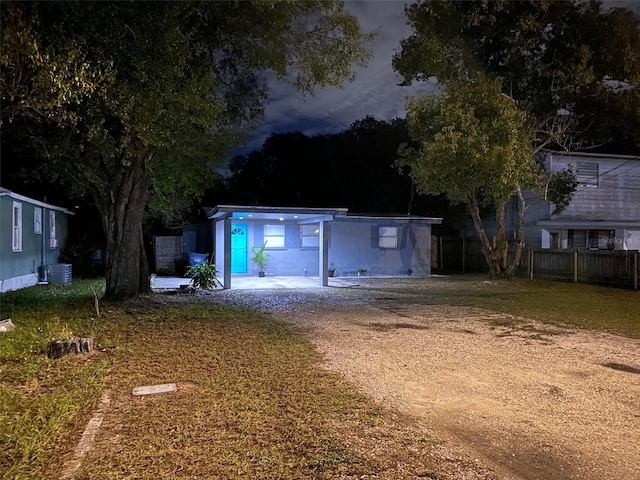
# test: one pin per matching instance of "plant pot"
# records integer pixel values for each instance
(331, 273)
(261, 274)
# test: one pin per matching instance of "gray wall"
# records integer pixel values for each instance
(353, 244)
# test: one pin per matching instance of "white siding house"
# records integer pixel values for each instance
(604, 213)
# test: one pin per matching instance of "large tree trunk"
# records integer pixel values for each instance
(520, 241)
(122, 209)
(497, 256)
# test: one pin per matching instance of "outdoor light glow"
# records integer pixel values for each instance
(281, 219)
(241, 218)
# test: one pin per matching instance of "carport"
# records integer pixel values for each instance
(232, 223)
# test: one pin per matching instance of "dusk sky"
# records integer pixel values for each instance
(374, 91)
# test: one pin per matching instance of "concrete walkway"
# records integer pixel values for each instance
(252, 283)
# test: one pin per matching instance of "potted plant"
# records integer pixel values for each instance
(332, 270)
(362, 272)
(260, 258)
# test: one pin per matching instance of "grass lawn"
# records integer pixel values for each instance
(253, 400)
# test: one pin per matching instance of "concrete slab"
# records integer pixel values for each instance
(155, 389)
(253, 282)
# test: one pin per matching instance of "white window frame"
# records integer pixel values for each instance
(587, 174)
(309, 235)
(37, 220)
(53, 241)
(274, 236)
(388, 237)
(16, 224)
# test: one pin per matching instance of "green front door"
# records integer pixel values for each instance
(239, 248)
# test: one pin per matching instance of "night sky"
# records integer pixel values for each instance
(374, 91)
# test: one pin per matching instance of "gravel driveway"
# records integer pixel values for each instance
(514, 398)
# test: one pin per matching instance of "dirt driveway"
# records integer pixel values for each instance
(516, 398)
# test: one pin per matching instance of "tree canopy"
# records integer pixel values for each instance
(474, 145)
(574, 57)
(144, 96)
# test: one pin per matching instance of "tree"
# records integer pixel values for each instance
(166, 89)
(474, 145)
(572, 57)
(353, 169)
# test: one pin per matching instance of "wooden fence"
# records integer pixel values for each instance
(615, 268)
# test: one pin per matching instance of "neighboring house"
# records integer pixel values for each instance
(32, 234)
(307, 241)
(604, 213)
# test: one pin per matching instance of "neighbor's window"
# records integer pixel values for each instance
(388, 237)
(17, 227)
(274, 236)
(602, 239)
(587, 174)
(37, 221)
(309, 235)
(53, 241)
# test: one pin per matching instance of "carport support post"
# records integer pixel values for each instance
(323, 261)
(227, 253)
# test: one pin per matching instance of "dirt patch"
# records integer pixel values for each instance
(521, 399)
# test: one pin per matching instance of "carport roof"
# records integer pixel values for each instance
(271, 213)
(253, 212)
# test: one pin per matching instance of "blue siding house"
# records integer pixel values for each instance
(32, 234)
(313, 241)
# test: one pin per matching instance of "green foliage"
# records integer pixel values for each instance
(204, 275)
(569, 55)
(260, 257)
(474, 144)
(42, 399)
(174, 86)
(560, 188)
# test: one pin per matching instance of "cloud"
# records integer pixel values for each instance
(374, 91)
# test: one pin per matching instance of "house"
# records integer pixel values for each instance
(308, 241)
(604, 213)
(32, 234)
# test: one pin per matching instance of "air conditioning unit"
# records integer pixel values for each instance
(60, 273)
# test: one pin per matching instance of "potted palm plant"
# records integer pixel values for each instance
(260, 258)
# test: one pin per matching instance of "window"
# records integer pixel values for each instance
(37, 221)
(388, 237)
(17, 227)
(274, 236)
(309, 236)
(602, 239)
(587, 174)
(53, 242)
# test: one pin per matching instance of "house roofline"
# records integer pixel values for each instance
(224, 211)
(394, 218)
(588, 225)
(4, 192)
(592, 155)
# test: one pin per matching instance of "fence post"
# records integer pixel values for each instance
(531, 264)
(441, 253)
(575, 267)
(464, 253)
(635, 270)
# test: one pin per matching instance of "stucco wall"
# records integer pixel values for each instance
(354, 245)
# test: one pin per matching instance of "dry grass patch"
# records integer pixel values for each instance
(252, 402)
